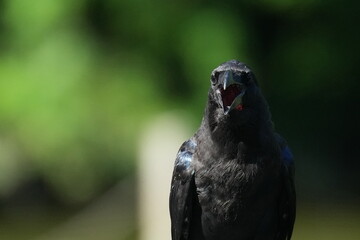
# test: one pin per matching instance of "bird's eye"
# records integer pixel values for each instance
(215, 78)
(243, 78)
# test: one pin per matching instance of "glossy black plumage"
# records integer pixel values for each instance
(233, 179)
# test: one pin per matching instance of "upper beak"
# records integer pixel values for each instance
(228, 79)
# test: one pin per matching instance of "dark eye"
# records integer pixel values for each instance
(215, 78)
(243, 78)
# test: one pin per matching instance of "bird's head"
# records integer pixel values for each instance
(229, 83)
(234, 96)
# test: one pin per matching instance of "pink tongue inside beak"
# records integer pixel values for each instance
(230, 94)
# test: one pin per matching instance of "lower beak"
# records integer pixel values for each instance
(238, 101)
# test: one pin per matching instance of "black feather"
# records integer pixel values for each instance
(233, 179)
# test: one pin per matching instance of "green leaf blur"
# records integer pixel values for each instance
(79, 81)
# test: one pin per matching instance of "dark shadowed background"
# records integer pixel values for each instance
(82, 81)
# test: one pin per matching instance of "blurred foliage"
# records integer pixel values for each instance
(78, 81)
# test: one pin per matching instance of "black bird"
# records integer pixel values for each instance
(233, 179)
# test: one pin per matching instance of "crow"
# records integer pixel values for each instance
(234, 179)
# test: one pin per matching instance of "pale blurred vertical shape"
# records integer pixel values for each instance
(158, 147)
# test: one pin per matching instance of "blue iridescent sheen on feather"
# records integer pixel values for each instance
(287, 156)
(184, 159)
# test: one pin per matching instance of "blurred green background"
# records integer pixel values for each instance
(80, 80)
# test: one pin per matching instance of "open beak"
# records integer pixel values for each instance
(231, 93)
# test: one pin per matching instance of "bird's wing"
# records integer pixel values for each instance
(182, 189)
(287, 203)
